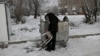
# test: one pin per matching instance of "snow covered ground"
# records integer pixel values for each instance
(88, 46)
(30, 29)
(81, 28)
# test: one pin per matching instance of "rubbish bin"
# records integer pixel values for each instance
(63, 32)
(43, 28)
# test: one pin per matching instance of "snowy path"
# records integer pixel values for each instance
(89, 46)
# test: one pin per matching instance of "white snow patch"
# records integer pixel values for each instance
(88, 46)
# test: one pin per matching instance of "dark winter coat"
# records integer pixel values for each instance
(53, 26)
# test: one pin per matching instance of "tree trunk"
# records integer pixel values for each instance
(87, 16)
(36, 12)
(95, 9)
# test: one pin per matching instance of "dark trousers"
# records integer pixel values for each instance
(51, 44)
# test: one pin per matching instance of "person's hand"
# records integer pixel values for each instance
(49, 34)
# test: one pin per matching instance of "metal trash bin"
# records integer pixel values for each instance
(63, 32)
(43, 28)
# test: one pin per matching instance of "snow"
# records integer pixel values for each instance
(77, 27)
(26, 31)
(30, 29)
(81, 28)
(49, 4)
(88, 46)
(86, 29)
(52, 3)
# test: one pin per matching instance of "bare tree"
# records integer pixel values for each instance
(34, 5)
(18, 10)
(16, 7)
(90, 11)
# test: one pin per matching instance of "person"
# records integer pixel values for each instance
(52, 28)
